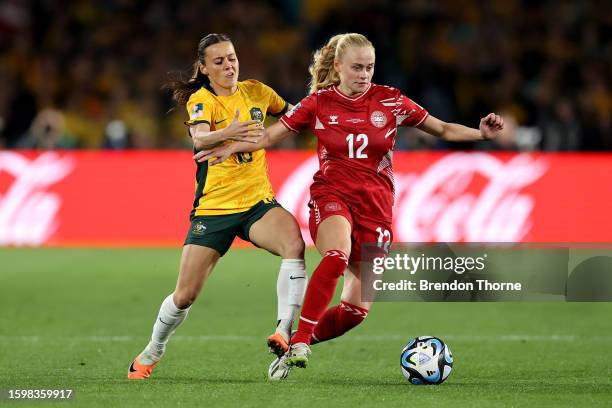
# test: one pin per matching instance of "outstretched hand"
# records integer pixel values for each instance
(491, 126)
(249, 131)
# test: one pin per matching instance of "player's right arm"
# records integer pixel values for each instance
(272, 135)
(248, 131)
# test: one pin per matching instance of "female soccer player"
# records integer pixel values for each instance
(352, 195)
(232, 199)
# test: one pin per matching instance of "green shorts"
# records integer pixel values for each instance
(218, 231)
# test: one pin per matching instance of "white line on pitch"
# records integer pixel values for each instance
(356, 338)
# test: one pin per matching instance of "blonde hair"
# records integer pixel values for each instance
(322, 70)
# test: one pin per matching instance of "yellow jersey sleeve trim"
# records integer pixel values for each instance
(195, 122)
(282, 111)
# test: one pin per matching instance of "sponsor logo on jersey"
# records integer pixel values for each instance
(256, 114)
(378, 119)
(355, 120)
(333, 120)
(197, 111)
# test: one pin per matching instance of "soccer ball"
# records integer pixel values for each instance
(426, 360)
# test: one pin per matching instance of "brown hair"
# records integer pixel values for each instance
(181, 88)
(322, 69)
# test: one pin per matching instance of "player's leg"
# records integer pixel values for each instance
(197, 262)
(333, 240)
(278, 232)
(351, 311)
(208, 239)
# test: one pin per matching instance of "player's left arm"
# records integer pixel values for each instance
(293, 121)
(490, 127)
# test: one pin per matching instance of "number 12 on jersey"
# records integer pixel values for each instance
(353, 141)
(384, 238)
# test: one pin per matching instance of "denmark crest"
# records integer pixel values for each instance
(378, 119)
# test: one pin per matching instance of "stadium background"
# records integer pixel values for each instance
(96, 177)
(79, 66)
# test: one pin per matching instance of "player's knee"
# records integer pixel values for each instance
(184, 298)
(293, 249)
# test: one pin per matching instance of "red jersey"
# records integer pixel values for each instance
(355, 144)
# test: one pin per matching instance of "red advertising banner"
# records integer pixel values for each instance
(143, 198)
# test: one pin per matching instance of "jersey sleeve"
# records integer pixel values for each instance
(408, 112)
(198, 110)
(301, 115)
(277, 106)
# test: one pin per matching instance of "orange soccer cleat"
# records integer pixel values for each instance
(278, 344)
(138, 371)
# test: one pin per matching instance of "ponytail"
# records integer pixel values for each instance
(181, 88)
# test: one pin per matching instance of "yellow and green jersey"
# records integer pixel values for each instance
(241, 181)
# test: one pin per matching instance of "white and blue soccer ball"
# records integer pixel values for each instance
(426, 360)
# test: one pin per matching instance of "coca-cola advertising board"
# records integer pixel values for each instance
(143, 198)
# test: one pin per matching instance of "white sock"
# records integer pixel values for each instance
(290, 290)
(168, 319)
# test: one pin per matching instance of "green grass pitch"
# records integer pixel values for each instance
(75, 318)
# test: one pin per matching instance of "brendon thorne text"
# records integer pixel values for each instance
(425, 285)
